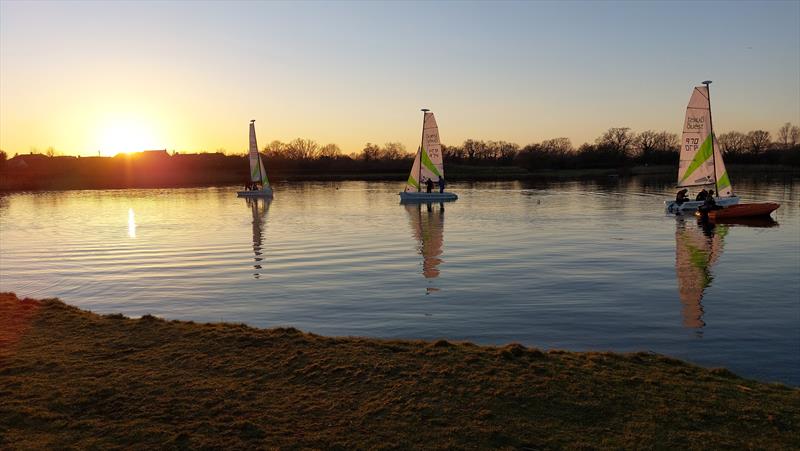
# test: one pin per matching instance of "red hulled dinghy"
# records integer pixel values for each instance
(742, 210)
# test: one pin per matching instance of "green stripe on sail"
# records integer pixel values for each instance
(411, 181)
(263, 171)
(703, 154)
(723, 182)
(426, 161)
(254, 173)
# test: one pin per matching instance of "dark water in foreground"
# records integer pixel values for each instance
(573, 265)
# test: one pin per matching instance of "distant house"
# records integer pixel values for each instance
(160, 153)
(23, 161)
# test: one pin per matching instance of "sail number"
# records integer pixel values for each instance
(691, 144)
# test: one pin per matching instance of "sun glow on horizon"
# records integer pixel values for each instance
(126, 136)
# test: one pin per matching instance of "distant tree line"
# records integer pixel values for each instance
(617, 148)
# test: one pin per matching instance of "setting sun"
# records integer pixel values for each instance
(125, 136)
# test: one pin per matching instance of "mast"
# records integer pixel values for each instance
(421, 149)
(711, 124)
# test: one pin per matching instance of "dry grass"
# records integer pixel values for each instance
(69, 378)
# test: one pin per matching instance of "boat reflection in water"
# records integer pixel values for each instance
(698, 246)
(427, 224)
(259, 207)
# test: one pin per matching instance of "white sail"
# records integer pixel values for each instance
(428, 164)
(263, 172)
(412, 184)
(257, 172)
(701, 160)
(724, 187)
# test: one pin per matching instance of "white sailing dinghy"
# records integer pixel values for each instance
(258, 176)
(428, 165)
(701, 160)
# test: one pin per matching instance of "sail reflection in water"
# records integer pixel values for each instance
(427, 224)
(697, 249)
(259, 207)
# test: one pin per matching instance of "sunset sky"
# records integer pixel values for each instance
(84, 77)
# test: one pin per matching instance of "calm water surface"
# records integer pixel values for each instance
(574, 265)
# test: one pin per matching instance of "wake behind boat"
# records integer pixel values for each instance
(428, 167)
(701, 162)
(259, 184)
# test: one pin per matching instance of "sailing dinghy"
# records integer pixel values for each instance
(258, 176)
(428, 165)
(701, 160)
(755, 209)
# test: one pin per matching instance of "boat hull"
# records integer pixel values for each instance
(689, 206)
(427, 197)
(255, 193)
(742, 211)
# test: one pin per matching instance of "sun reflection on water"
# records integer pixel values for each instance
(131, 224)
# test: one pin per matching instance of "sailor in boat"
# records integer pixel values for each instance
(429, 185)
(441, 184)
(681, 196)
(702, 195)
(708, 205)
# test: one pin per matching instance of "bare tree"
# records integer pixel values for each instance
(370, 152)
(733, 143)
(647, 141)
(50, 152)
(275, 149)
(329, 151)
(301, 149)
(758, 141)
(788, 135)
(471, 149)
(393, 151)
(666, 141)
(456, 153)
(502, 150)
(618, 138)
(783, 135)
(558, 146)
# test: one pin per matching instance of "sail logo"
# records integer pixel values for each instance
(703, 180)
(695, 123)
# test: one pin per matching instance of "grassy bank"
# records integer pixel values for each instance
(73, 378)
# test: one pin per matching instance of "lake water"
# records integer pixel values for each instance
(577, 265)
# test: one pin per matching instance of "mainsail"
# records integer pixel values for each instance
(701, 160)
(257, 172)
(428, 163)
